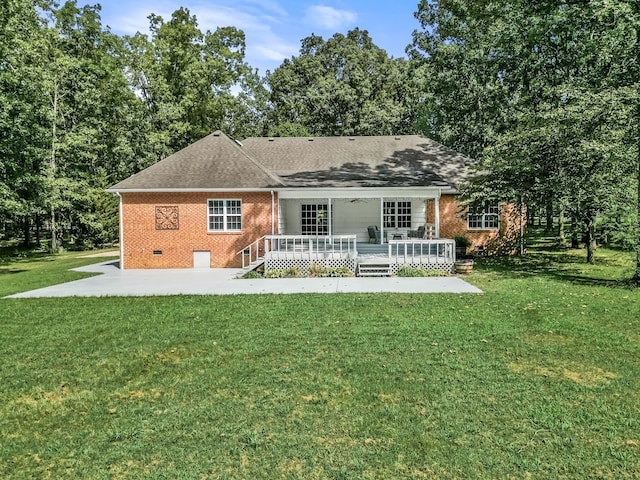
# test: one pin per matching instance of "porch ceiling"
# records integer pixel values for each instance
(423, 192)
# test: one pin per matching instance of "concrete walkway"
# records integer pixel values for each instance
(222, 281)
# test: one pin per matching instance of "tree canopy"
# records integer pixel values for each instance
(541, 94)
(345, 85)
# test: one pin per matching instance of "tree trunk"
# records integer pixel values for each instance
(27, 232)
(38, 230)
(575, 239)
(636, 276)
(549, 212)
(561, 235)
(590, 225)
(52, 168)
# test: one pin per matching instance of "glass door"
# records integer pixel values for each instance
(315, 219)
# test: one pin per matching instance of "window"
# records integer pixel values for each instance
(397, 214)
(225, 215)
(315, 219)
(484, 216)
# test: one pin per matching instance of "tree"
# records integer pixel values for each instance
(539, 93)
(343, 86)
(93, 116)
(69, 126)
(185, 79)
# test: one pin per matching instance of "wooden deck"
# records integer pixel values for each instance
(286, 251)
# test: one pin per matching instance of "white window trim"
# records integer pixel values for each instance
(483, 217)
(396, 215)
(225, 214)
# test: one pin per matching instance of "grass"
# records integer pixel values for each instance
(536, 378)
(21, 271)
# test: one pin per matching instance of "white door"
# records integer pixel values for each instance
(202, 259)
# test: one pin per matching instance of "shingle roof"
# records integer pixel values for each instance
(217, 161)
(384, 161)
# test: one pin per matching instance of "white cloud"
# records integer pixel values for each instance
(264, 45)
(265, 23)
(330, 18)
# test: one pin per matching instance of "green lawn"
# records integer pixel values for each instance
(537, 378)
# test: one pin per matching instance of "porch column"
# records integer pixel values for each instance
(437, 216)
(329, 216)
(381, 220)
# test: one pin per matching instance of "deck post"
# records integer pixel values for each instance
(437, 214)
(382, 222)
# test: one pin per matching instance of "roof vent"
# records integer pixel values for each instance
(272, 139)
(397, 138)
(351, 139)
(239, 143)
(216, 133)
(311, 139)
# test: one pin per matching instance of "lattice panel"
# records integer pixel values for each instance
(447, 267)
(282, 263)
(303, 265)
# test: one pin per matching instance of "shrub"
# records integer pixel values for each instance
(293, 272)
(406, 271)
(338, 272)
(252, 274)
(317, 270)
(462, 241)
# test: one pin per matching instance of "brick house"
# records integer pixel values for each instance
(218, 201)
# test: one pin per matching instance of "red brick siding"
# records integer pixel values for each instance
(141, 237)
(453, 222)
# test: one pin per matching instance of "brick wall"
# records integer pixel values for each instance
(503, 240)
(142, 238)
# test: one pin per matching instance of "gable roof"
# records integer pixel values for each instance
(215, 161)
(219, 162)
(380, 161)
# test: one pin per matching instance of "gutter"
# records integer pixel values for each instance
(121, 235)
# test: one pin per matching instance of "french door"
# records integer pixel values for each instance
(315, 219)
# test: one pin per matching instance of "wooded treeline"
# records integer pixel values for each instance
(543, 94)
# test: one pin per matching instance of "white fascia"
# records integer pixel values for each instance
(355, 192)
(189, 190)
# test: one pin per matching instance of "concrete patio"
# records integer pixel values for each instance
(223, 281)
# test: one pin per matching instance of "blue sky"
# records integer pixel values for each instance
(274, 28)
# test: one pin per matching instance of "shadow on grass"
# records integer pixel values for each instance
(5, 272)
(568, 266)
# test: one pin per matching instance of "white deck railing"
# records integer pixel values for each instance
(304, 247)
(423, 251)
(311, 248)
(253, 252)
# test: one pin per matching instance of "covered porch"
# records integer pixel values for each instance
(302, 251)
(372, 215)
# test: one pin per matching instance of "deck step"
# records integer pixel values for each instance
(374, 269)
(253, 265)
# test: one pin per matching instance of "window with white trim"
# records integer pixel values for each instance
(484, 216)
(225, 215)
(397, 214)
(315, 219)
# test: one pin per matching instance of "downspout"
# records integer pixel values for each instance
(121, 236)
(273, 213)
(437, 213)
